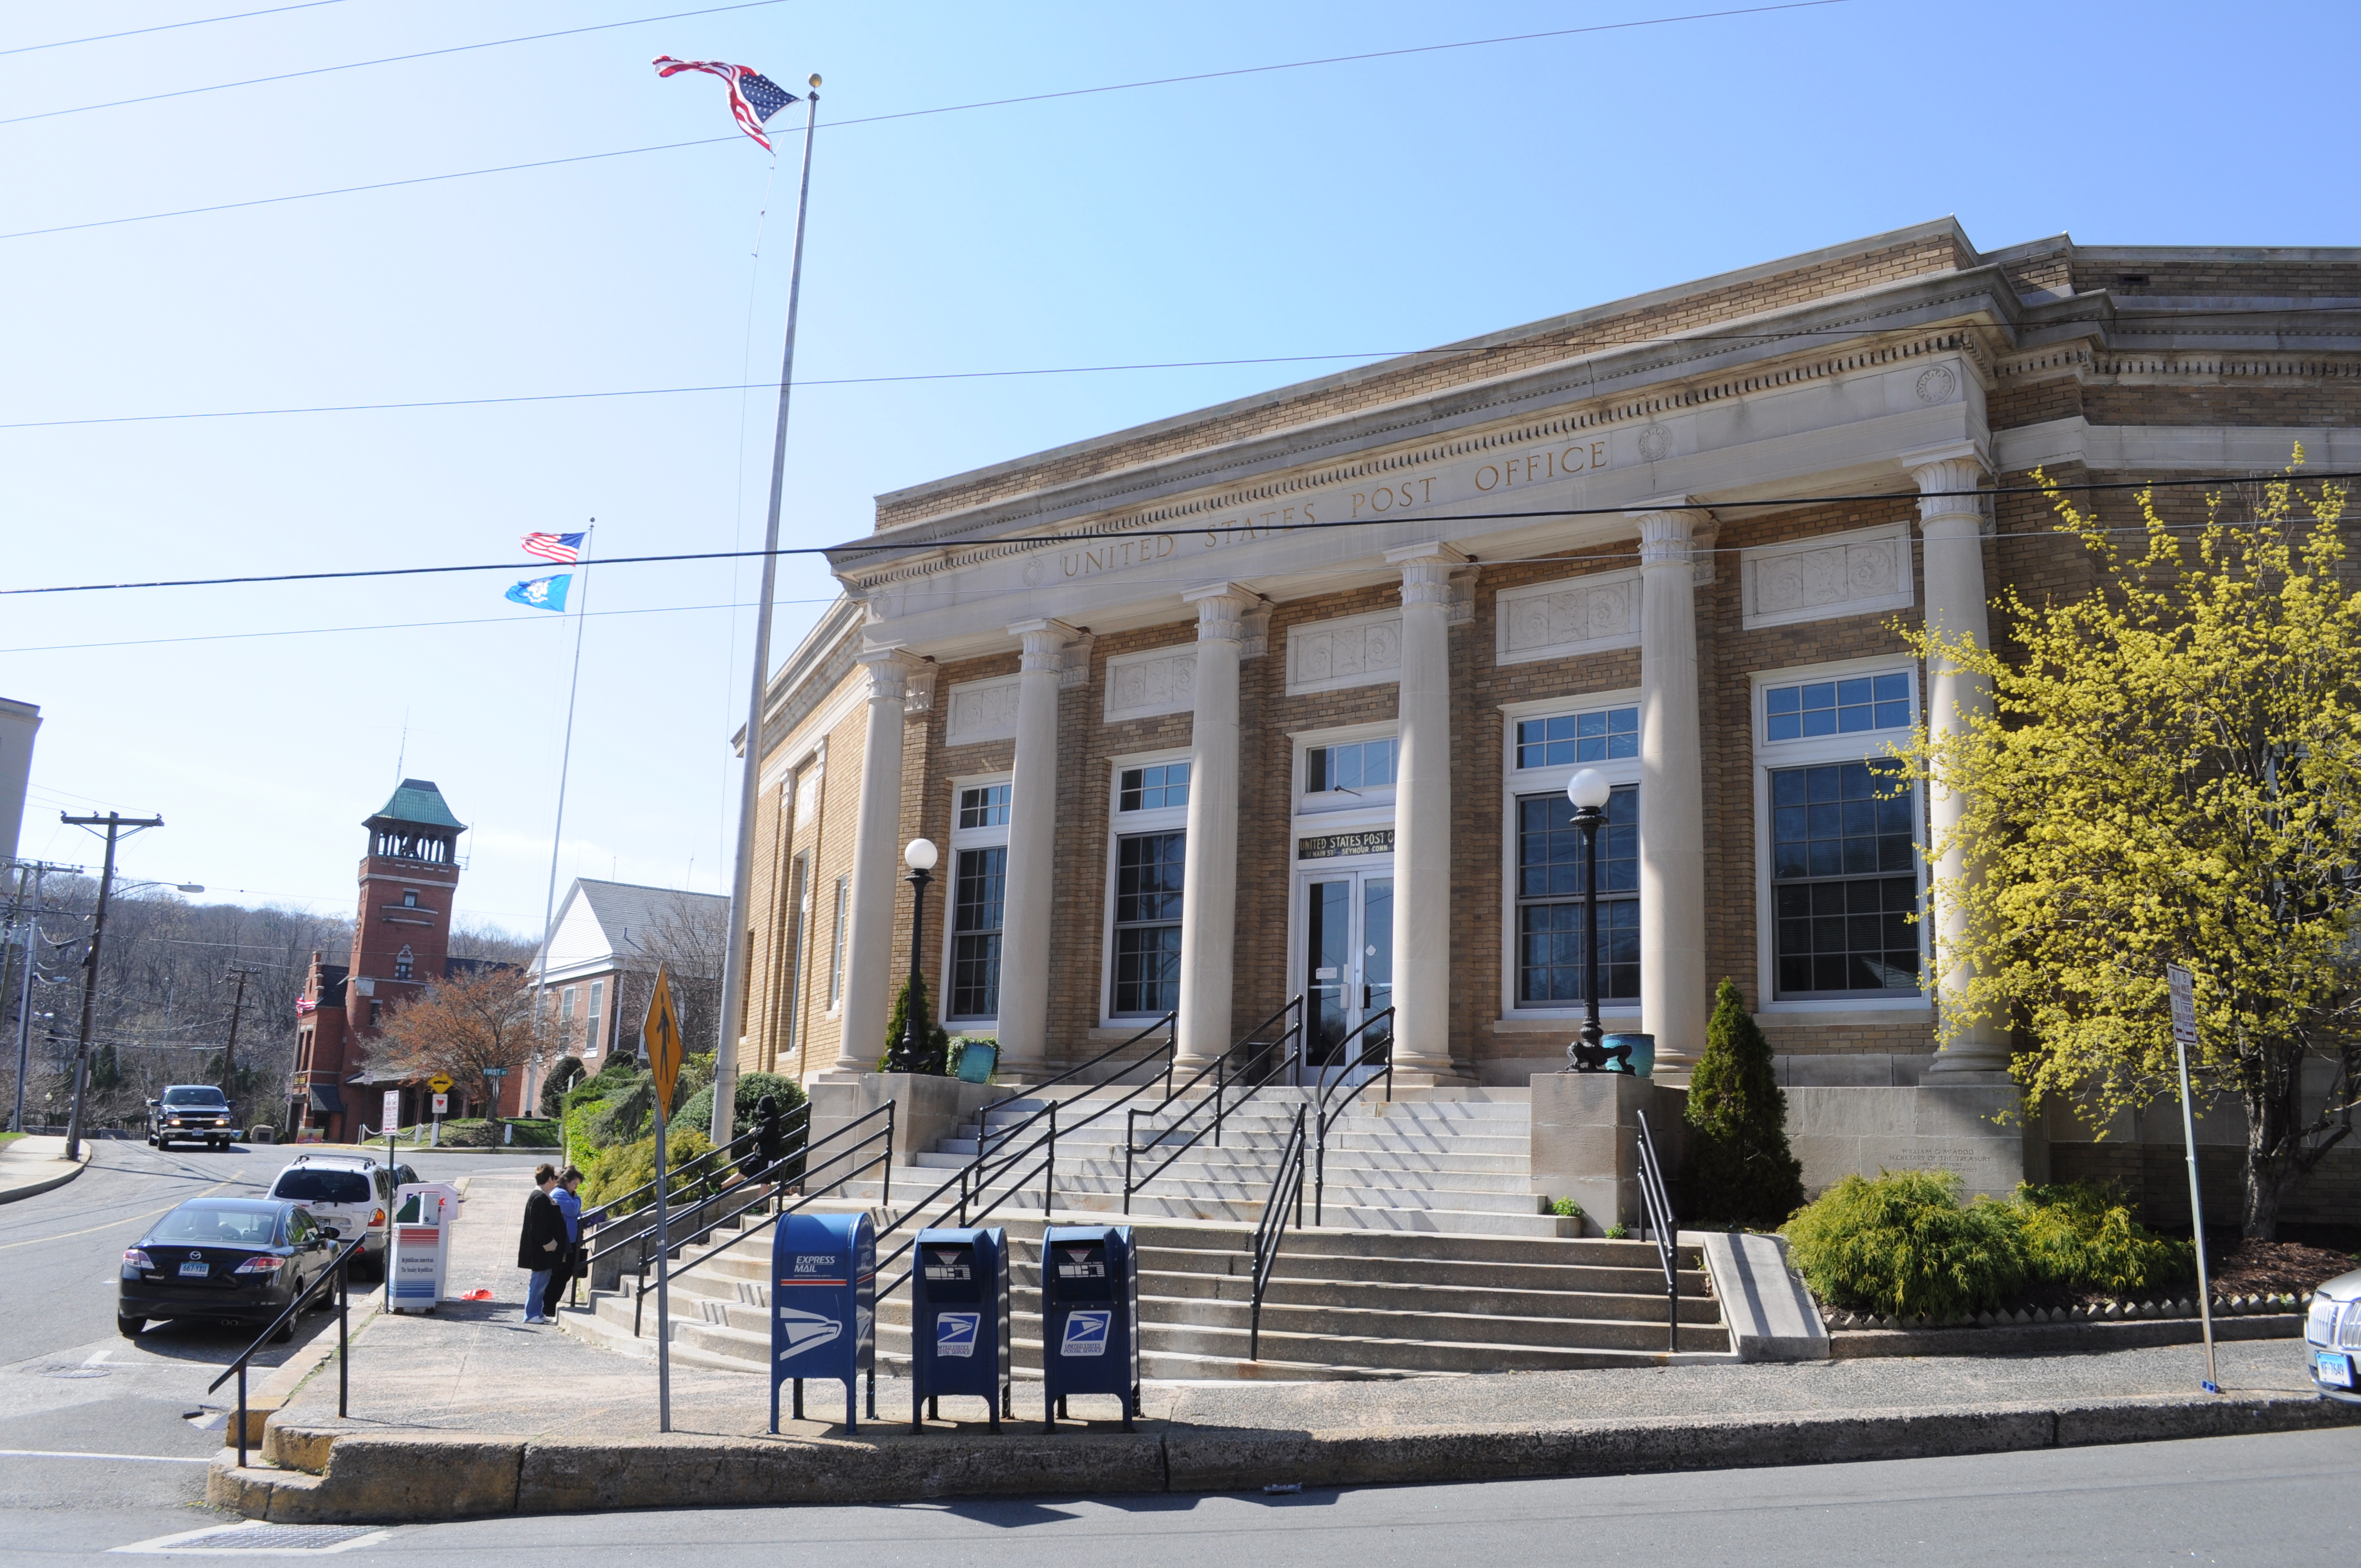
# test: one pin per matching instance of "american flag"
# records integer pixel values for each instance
(565, 549)
(754, 98)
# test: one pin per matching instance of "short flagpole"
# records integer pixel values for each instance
(564, 765)
(733, 973)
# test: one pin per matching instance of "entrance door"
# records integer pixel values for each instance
(1348, 967)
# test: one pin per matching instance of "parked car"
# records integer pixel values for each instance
(2332, 1333)
(236, 1260)
(190, 1113)
(351, 1192)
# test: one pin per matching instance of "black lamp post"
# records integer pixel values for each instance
(920, 858)
(1589, 792)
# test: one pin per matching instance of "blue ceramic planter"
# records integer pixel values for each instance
(1643, 1052)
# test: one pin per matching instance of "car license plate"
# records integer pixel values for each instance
(193, 1271)
(2335, 1368)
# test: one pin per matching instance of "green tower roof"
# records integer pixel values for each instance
(419, 804)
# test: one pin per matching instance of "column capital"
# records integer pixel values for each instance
(1221, 610)
(1426, 571)
(1666, 525)
(889, 668)
(1045, 639)
(1948, 474)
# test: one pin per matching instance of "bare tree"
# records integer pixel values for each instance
(690, 938)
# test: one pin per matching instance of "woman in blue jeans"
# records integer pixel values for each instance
(542, 1248)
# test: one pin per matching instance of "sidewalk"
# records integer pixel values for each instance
(36, 1164)
(470, 1411)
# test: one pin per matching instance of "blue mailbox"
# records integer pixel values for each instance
(958, 1320)
(823, 1306)
(1090, 1317)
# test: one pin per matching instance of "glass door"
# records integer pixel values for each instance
(1348, 967)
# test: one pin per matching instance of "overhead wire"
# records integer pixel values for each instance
(856, 547)
(170, 27)
(1573, 340)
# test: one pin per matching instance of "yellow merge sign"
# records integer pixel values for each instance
(440, 1083)
(662, 1035)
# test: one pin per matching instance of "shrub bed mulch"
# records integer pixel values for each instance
(2269, 1268)
(2247, 1277)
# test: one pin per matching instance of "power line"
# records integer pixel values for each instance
(398, 59)
(389, 626)
(1768, 503)
(170, 27)
(1582, 342)
(379, 185)
(951, 108)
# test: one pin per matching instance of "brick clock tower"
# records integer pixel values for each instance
(401, 941)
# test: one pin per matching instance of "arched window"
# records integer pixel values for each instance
(402, 964)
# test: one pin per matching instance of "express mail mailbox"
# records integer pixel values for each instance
(1090, 1317)
(958, 1320)
(823, 1306)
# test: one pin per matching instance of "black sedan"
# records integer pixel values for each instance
(234, 1260)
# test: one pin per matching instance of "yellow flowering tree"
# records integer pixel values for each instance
(2171, 773)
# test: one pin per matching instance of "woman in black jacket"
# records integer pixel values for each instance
(542, 1248)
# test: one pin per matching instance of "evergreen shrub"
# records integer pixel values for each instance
(934, 1040)
(1738, 1169)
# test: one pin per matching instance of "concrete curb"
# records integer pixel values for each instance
(376, 1477)
(2060, 1339)
(34, 1189)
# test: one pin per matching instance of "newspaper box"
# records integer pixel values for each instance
(418, 1250)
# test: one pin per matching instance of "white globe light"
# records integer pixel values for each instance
(920, 855)
(1590, 790)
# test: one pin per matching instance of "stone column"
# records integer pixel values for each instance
(1673, 999)
(876, 867)
(1032, 832)
(1209, 876)
(1422, 818)
(1950, 527)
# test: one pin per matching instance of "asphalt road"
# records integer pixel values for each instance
(70, 1384)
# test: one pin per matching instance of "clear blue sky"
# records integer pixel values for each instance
(1359, 208)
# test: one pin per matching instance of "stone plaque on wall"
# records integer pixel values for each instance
(1352, 651)
(1570, 615)
(1858, 573)
(983, 710)
(1163, 680)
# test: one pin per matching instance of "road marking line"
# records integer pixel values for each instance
(64, 1454)
(135, 1218)
(98, 1356)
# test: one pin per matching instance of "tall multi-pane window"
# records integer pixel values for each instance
(593, 1035)
(1566, 739)
(1844, 878)
(1360, 765)
(1148, 923)
(977, 890)
(836, 956)
(565, 1017)
(1153, 789)
(986, 806)
(1551, 966)
(1851, 706)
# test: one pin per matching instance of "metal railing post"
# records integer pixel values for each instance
(1050, 1166)
(886, 1198)
(241, 1415)
(344, 1359)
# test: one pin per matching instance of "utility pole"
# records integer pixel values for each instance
(115, 824)
(241, 974)
(32, 943)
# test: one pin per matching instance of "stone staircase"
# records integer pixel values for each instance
(1435, 1257)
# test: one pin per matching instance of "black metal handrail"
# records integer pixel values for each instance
(1656, 1218)
(334, 1272)
(1372, 1053)
(609, 1232)
(696, 1170)
(1285, 1188)
(1169, 1024)
(1242, 1063)
(852, 1151)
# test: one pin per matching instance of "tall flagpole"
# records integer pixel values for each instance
(750, 773)
(564, 765)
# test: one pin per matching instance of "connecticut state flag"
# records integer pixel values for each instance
(542, 593)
